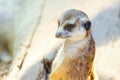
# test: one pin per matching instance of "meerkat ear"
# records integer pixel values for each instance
(87, 25)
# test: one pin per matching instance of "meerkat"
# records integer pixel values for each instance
(75, 59)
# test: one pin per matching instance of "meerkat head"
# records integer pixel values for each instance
(73, 24)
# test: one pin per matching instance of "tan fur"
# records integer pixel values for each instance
(75, 60)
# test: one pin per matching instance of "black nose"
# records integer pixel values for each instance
(58, 35)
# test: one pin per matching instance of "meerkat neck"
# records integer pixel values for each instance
(76, 48)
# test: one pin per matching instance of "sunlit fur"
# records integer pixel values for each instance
(75, 59)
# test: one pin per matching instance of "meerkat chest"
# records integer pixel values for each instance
(67, 52)
(70, 69)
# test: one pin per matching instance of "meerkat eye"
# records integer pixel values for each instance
(69, 27)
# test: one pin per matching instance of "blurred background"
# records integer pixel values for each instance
(27, 29)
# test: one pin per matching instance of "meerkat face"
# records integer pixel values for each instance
(73, 24)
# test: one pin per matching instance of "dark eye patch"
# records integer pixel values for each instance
(69, 27)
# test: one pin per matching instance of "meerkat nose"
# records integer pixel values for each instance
(58, 35)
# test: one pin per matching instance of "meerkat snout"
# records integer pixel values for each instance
(72, 24)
